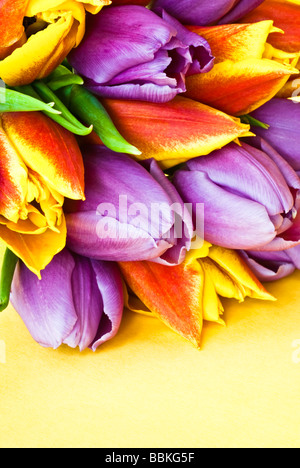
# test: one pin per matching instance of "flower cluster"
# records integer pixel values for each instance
(150, 161)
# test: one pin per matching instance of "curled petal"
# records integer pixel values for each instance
(269, 266)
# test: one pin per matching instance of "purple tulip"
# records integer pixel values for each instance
(205, 12)
(251, 197)
(272, 266)
(283, 116)
(129, 52)
(78, 302)
(132, 212)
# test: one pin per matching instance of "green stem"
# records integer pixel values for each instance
(9, 264)
(88, 108)
(17, 101)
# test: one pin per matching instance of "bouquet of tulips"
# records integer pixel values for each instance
(149, 161)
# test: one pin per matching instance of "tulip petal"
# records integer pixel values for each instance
(176, 131)
(234, 266)
(137, 217)
(183, 230)
(47, 312)
(36, 251)
(173, 294)
(11, 26)
(286, 16)
(87, 304)
(283, 116)
(47, 149)
(111, 288)
(271, 269)
(195, 12)
(241, 8)
(226, 214)
(27, 63)
(236, 42)
(148, 33)
(251, 174)
(13, 176)
(108, 239)
(239, 88)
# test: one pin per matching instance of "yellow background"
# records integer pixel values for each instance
(150, 388)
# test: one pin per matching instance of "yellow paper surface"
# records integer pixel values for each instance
(150, 388)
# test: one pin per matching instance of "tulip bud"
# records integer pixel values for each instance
(40, 164)
(131, 213)
(129, 52)
(80, 301)
(250, 196)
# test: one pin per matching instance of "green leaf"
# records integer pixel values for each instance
(14, 101)
(63, 81)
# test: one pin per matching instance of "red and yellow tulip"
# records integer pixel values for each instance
(286, 15)
(176, 131)
(248, 71)
(52, 29)
(186, 295)
(40, 164)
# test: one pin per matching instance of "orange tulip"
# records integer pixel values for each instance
(186, 295)
(175, 131)
(36, 35)
(40, 165)
(248, 70)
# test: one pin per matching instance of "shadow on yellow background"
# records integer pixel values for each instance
(150, 388)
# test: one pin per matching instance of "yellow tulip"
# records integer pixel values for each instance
(52, 28)
(40, 164)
